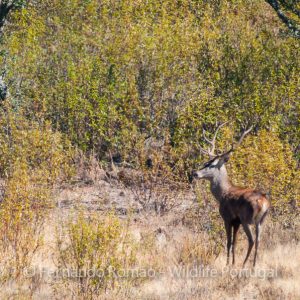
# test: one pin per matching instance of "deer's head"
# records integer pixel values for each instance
(215, 167)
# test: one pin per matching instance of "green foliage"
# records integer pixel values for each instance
(96, 251)
(111, 74)
(32, 159)
(267, 163)
(289, 13)
(46, 155)
(22, 214)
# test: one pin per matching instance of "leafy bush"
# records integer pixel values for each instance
(111, 75)
(22, 212)
(96, 251)
(46, 154)
(265, 162)
(32, 159)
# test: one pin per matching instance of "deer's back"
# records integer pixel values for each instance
(244, 204)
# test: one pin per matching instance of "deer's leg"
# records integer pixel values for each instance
(235, 231)
(228, 228)
(257, 238)
(250, 240)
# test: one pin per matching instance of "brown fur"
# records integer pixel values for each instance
(244, 204)
(238, 206)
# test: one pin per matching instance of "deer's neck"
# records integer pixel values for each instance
(220, 184)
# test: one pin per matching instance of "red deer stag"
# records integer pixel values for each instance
(237, 205)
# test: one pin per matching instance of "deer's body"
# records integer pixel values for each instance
(237, 206)
(245, 204)
(237, 202)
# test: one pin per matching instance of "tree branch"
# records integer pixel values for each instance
(291, 24)
(290, 7)
(5, 8)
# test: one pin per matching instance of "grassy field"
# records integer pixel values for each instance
(172, 256)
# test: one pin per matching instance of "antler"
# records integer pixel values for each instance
(234, 146)
(245, 132)
(211, 152)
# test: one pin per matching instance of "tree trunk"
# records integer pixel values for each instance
(280, 7)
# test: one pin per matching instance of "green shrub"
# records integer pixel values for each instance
(32, 159)
(22, 212)
(96, 251)
(111, 75)
(46, 154)
(265, 162)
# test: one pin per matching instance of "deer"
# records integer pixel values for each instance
(237, 205)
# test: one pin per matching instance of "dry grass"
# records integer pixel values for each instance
(185, 261)
(185, 267)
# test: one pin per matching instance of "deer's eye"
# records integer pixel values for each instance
(208, 164)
